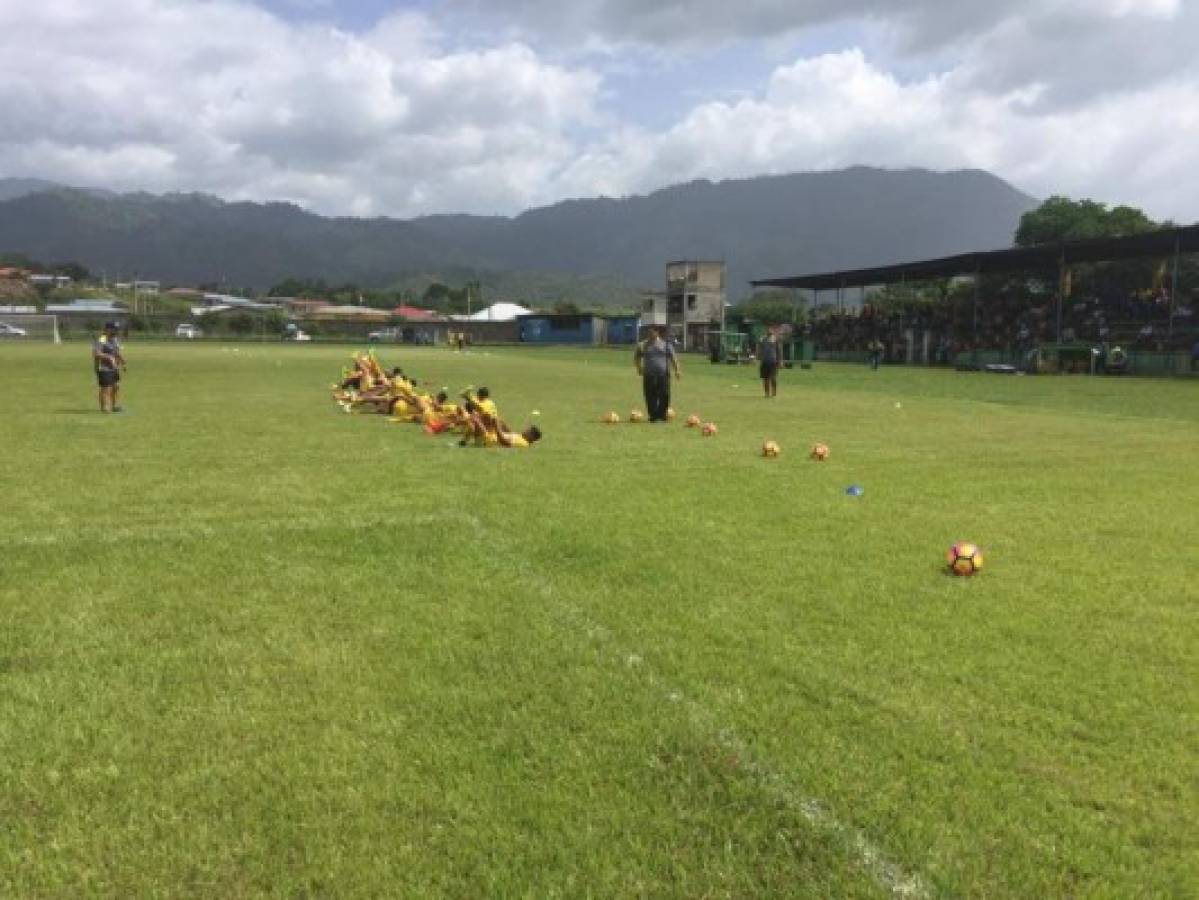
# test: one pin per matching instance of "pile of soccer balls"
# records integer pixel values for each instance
(613, 418)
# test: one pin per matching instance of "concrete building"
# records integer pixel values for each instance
(692, 303)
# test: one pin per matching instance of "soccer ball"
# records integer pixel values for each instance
(670, 414)
(636, 416)
(709, 429)
(964, 558)
(819, 452)
(610, 418)
(771, 449)
(693, 421)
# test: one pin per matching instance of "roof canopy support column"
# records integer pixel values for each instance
(1061, 291)
(1173, 291)
(977, 278)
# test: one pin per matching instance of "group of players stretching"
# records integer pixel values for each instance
(367, 387)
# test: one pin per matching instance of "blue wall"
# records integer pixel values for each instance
(557, 329)
(622, 330)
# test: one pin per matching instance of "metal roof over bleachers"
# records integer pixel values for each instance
(1162, 243)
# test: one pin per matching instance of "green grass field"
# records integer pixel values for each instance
(251, 646)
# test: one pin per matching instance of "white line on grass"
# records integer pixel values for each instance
(888, 874)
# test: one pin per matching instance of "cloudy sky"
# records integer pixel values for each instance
(381, 107)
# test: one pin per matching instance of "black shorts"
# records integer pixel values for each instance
(768, 370)
(107, 377)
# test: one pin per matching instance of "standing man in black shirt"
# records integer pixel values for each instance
(109, 362)
(770, 357)
(654, 358)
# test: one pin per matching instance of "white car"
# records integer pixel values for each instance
(11, 331)
(188, 332)
(295, 334)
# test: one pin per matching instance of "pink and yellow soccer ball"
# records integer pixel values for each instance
(692, 421)
(819, 452)
(636, 416)
(964, 558)
(610, 418)
(709, 429)
(670, 414)
(771, 449)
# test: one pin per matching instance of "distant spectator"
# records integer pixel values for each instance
(770, 357)
(876, 353)
(109, 362)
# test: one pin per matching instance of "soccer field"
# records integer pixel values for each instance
(252, 646)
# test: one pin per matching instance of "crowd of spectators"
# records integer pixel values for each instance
(1014, 325)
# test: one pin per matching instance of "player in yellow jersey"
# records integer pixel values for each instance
(482, 399)
(442, 415)
(485, 430)
(520, 441)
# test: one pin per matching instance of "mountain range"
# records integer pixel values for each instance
(590, 249)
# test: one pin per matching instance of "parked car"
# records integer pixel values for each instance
(293, 333)
(386, 336)
(188, 332)
(11, 331)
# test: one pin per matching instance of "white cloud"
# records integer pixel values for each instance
(838, 110)
(1088, 97)
(221, 96)
(690, 22)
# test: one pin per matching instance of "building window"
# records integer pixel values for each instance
(691, 301)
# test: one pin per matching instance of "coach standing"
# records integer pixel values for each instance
(109, 362)
(654, 359)
(770, 357)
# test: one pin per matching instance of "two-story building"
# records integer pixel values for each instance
(691, 307)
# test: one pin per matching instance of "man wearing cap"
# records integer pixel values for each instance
(109, 363)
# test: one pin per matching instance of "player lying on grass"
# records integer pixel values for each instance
(368, 388)
(363, 375)
(484, 430)
(477, 417)
(442, 415)
(425, 408)
(382, 394)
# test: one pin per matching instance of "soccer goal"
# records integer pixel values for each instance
(28, 327)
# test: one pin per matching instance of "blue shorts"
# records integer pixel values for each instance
(107, 377)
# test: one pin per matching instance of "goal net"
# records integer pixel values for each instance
(28, 327)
